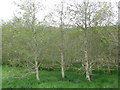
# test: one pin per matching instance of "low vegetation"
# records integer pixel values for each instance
(53, 79)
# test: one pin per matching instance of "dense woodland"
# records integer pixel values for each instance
(80, 37)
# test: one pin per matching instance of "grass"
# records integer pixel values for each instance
(52, 79)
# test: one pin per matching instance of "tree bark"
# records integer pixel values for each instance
(87, 67)
(62, 41)
(86, 48)
(37, 69)
(62, 65)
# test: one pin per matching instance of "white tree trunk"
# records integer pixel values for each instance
(62, 65)
(37, 69)
(87, 67)
(87, 72)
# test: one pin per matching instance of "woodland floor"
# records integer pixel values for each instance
(52, 79)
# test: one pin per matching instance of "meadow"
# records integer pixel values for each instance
(53, 79)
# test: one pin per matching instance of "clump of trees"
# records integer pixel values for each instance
(79, 36)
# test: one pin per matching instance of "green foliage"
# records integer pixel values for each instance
(18, 44)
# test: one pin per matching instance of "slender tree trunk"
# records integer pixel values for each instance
(62, 41)
(85, 44)
(86, 55)
(36, 56)
(62, 65)
(35, 59)
(62, 55)
(86, 59)
(87, 67)
(37, 69)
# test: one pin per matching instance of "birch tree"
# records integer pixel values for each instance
(83, 15)
(30, 9)
(61, 26)
(62, 41)
(57, 19)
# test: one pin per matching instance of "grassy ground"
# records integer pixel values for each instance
(52, 79)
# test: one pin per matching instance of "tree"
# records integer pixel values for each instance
(83, 18)
(58, 19)
(89, 16)
(30, 9)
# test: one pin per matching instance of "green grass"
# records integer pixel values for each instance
(52, 79)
